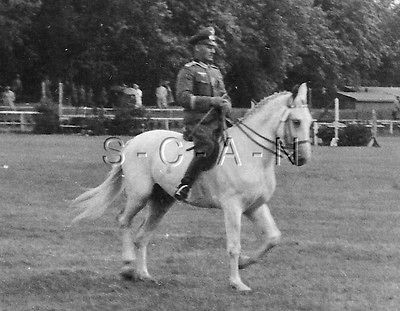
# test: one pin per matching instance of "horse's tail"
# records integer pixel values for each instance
(95, 201)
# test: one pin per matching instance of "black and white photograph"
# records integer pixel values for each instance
(221, 155)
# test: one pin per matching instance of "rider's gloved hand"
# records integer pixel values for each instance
(221, 103)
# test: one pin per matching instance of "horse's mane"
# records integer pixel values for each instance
(263, 102)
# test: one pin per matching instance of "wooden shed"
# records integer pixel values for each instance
(364, 99)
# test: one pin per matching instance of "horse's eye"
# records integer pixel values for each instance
(296, 123)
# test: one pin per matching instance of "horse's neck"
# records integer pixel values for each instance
(266, 119)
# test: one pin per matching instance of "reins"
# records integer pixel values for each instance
(243, 127)
(278, 145)
(239, 123)
(201, 121)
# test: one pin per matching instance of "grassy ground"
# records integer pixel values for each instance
(339, 217)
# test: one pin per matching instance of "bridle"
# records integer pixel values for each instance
(247, 130)
(285, 119)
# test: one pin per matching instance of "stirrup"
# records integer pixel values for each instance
(182, 192)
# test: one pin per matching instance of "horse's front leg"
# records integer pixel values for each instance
(233, 216)
(267, 232)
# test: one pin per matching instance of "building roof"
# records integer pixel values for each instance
(370, 96)
(388, 90)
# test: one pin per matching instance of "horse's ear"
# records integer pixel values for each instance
(300, 97)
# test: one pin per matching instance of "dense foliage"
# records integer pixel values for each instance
(351, 135)
(265, 44)
(355, 135)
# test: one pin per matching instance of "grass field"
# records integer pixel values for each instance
(339, 217)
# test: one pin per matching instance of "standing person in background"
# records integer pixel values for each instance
(200, 90)
(16, 86)
(9, 98)
(161, 95)
(82, 96)
(170, 96)
(46, 91)
(90, 97)
(138, 96)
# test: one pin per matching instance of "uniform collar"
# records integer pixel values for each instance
(202, 64)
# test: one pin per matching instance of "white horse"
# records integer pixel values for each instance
(242, 181)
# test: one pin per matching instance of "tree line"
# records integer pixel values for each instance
(265, 45)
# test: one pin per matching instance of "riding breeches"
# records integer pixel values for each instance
(206, 150)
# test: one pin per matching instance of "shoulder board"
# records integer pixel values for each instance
(192, 63)
(200, 64)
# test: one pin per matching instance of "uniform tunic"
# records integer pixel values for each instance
(197, 83)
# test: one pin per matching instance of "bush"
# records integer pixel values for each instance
(47, 121)
(96, 126)
(354, 135)
(326, 134)
(125, 123)
(78, 121)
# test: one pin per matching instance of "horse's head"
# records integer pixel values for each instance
(295, 124)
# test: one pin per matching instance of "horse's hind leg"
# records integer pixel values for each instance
(159, 204)
(267, 232)
(133, 206)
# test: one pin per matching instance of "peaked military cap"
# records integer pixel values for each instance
(204, 36)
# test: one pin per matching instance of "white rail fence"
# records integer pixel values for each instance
(17, 120)
(155, 115)
(22, 119)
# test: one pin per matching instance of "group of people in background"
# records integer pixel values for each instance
(80, 95)
(116, 96)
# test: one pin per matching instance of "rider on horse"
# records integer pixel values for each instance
(201, 91)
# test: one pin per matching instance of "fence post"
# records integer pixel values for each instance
(22, 120)
(374, 131)
(315, 130)
(60, 98)
(391, 127)
(43, 90)
(334, 140)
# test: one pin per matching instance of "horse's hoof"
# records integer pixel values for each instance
(146, 278)
(241, 287)
(137, 277)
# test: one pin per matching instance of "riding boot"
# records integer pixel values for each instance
(194, 169)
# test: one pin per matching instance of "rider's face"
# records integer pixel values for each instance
(205, 52)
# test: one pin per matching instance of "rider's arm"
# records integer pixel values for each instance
(185, 92)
